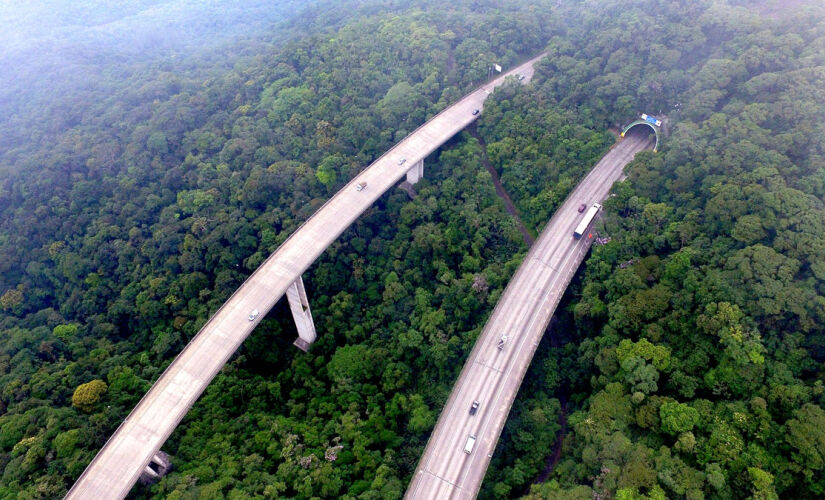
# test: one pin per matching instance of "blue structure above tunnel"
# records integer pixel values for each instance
(651, 122)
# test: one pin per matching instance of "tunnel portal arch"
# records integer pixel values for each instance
(656, 131)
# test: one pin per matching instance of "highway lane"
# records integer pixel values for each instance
(492, 376)
(120, 462)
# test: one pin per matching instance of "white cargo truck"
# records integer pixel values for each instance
(585, 222)
(471, 442)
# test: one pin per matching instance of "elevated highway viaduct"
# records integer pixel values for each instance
(492, 376)
(135, 443)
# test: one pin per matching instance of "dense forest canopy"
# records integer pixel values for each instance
(686, 360)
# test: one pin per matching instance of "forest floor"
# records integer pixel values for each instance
(555, 454)
(508, 203)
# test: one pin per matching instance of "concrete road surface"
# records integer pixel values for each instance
(119, 463)
(492, 376)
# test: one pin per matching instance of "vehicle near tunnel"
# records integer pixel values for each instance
(652, 120)
(586, 221)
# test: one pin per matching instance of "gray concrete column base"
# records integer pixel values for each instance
(296, 294)
(415, 173)
(157, 467)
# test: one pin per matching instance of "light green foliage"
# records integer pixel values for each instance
(157, 143)
(551, 490)
(658, 355)
(289, 101)
(714, 475)
(65, 333)
(421, 418)
(65, 443)
(640, 376)
(326, 171)
(677, 417)
(806, 434)
(348, 364)
(748, 229)
(762, 484)
(87, 395)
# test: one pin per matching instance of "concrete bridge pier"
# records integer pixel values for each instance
(157, 467)
(415, 173)
(296, 294)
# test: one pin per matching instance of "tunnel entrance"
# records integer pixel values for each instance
(643, 128)
(640, 130)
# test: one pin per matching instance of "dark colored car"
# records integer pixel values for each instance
(474, 408)
(475, 112)
(582, 207)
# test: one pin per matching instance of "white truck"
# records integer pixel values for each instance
(585, 222)
(471, 442)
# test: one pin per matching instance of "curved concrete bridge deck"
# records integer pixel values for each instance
(128, 452)
(493, 376)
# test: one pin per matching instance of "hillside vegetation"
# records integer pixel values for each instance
(687, 356)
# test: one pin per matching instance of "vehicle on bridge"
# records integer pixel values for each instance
(474, 408)
(585, 222)
(502, 341)
(253, 315)
(360, 186)
(471, 442)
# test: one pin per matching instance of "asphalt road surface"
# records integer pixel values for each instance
(119, 463)
(492, 376)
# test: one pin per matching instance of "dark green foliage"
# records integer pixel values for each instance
(703, 317)
(170, 182)
(688, 355)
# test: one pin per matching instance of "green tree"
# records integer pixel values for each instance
(86, 396)
(806, 434)
(65, 333)
(677, 417)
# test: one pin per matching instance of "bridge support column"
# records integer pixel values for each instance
(296, 294)
(416, 172)
(157, 467)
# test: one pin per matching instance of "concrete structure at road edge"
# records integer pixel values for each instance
(134, 444)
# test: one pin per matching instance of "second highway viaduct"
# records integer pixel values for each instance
(491, 375)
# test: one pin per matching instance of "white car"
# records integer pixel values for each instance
(360, 186)
(401, 161)
(253, 315)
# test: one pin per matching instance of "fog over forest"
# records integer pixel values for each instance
(58, 44)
